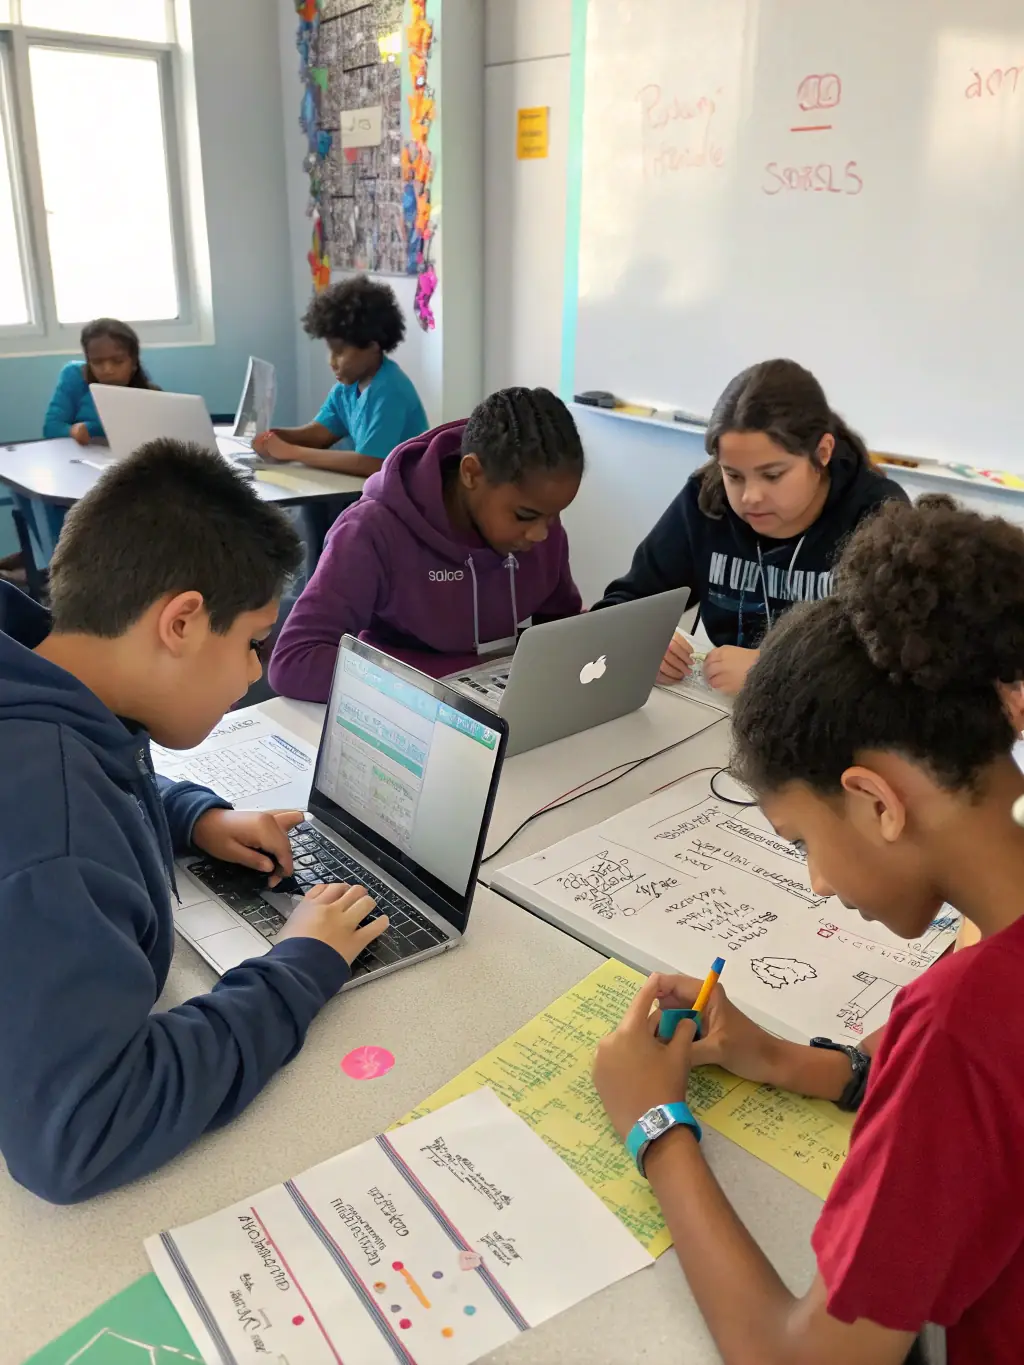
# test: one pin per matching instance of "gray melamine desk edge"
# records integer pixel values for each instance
(52, 471)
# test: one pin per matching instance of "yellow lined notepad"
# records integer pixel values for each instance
(543, 1074)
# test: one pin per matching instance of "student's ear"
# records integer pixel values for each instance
(873, 805)
(826, 449)
(182, 622)
(471, 472)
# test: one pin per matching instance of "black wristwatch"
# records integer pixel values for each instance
(860, 1063)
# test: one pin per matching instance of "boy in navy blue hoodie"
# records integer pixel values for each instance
(164, 583)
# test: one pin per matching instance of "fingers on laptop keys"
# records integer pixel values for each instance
(339, 916)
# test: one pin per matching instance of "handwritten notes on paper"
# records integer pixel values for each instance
(543, 1074)
(435, 1245)
(247, 759)
(673, 882)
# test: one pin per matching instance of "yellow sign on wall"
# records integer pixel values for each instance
(532, 133)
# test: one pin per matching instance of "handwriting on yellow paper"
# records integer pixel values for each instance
(543, 1074)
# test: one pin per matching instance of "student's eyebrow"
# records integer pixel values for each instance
(758, 468)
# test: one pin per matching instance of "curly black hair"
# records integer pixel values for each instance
(927, 618)
(357, 312)
(785, 402)
(515, 432)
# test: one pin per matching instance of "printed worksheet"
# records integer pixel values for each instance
(433, 1245)
(247, 759)
(672, 883)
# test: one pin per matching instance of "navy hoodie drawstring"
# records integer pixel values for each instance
(740, 632)
(512, 564)
(151, 804)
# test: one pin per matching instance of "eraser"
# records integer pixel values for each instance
(671, 1019)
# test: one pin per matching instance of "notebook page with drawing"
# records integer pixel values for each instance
(683, 877)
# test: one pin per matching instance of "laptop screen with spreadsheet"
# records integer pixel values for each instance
(408, 769)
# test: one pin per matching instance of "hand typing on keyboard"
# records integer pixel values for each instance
(335, 915)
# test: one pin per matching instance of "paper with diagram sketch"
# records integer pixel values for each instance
(247, 759)
(434, 1244)
(672, 883)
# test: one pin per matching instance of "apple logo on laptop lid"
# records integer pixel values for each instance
(591, 672)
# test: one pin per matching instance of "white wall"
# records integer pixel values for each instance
(634, 470)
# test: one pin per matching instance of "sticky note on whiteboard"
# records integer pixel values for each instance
(532, 133)
(362, 127)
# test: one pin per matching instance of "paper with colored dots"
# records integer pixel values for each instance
(433, 1245)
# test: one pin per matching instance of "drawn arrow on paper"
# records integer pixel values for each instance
(777, 972)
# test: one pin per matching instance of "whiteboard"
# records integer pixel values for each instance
(841, 184)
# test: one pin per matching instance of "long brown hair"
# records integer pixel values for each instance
(125, 336)
(785, 402)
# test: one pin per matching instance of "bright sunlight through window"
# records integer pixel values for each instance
(144, 19)
(13, 300)
(107, 196)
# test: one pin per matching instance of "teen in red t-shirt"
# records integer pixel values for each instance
(889, 761)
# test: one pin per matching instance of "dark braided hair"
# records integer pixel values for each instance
(516, 432)
(785, 402)
(125, 336)
(357, 312)
(927, 617)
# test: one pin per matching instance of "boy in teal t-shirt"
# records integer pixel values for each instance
(374, 405)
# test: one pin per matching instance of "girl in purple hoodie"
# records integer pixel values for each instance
(454, 546)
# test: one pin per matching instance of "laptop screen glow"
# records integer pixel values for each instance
(408, 766)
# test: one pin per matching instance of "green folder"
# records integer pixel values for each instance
(135, 1327)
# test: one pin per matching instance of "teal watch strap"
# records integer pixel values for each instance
(655, 1124)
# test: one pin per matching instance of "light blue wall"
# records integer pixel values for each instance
(241, 122)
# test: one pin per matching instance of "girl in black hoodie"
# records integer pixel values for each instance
(760, 525)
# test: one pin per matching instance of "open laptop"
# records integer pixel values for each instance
(255, 411)
(573, 674)
(131, 417)
(403, 789)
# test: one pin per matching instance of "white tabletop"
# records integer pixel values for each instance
(437, 1018)
(529, 781)
(62, 471)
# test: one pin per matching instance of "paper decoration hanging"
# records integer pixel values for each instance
(418, 164)
(353, 72)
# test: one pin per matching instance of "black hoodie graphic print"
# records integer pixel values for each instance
(745, 581)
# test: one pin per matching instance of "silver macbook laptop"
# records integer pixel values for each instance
(571, 675)
(402, 795)
(131, 417)
(259, 398)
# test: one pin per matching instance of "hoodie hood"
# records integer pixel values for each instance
(35, 692)
(411, 486)
(33, 689)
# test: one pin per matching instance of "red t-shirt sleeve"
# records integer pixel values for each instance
(926, 1211)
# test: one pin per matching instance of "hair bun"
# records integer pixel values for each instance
(935, 594)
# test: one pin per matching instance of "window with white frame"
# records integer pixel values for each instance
(93, 192)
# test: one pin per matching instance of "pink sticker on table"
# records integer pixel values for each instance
(367, 1063)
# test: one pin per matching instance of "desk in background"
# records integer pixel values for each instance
(57, 472)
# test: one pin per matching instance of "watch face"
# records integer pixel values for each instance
(655, 1122)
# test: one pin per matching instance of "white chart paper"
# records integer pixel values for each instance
(432, 1245)
(672, 883)
(250, 761)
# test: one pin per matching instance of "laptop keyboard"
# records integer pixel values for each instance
(318, 860)
(485, 684)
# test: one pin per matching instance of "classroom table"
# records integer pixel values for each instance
(61, 471)
(437, 1018)
(529, 781)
